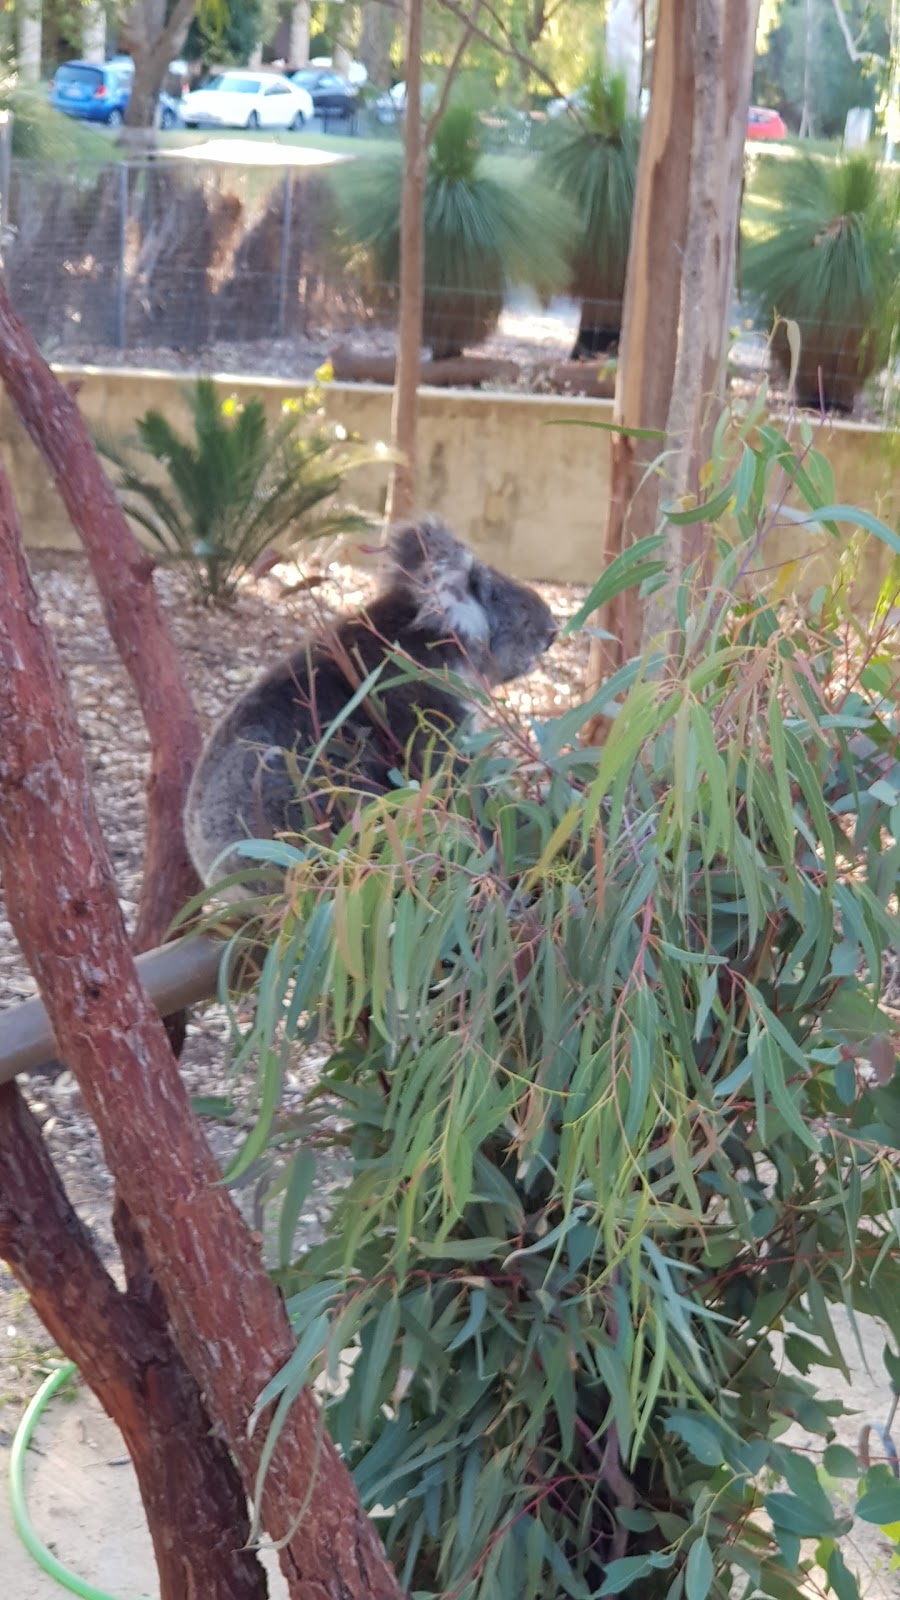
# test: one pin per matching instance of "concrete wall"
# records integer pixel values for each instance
(528, 494)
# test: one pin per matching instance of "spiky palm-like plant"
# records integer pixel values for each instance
(483, 234)
(591, 159)
(823, 249)
(241, 486)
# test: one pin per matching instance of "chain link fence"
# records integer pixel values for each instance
(141, 258)
(171, 253)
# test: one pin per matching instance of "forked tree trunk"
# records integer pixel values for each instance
(193, 1497)
(228, 1319)
(678, 290)
(152, 39)
(402, 486)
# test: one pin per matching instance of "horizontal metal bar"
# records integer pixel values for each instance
(174, 976)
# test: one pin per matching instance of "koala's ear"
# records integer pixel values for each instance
(430, 564)
(424, 552)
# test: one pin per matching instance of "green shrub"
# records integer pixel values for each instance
(825, 252)
(240, 487)
(483, 233)
(40, 133)
(618, 1099)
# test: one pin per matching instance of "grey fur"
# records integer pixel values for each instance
(439, 605)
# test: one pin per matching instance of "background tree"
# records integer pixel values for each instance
(152, 32)
(806, 69)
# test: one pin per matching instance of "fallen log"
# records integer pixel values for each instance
(458, 372)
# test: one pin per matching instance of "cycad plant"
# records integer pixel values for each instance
(822, 248)
(483, 234)
(591, 158)
(241, 486)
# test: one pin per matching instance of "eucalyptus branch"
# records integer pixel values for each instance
(506, 46)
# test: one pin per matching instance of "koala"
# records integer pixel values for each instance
(440, 607)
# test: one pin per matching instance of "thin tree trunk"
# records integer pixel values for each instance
(723, 52)
(298, 34)
(195, 1503)
(228, 1320)
(678, 287)
(401, 499)
(805, 129)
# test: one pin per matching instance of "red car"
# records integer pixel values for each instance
(763, 124)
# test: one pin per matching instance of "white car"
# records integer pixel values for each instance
(247, 100)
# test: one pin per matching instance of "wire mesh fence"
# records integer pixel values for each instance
(171, 253)
(161, 255)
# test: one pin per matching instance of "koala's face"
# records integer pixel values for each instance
(502, 626)
(520, 626)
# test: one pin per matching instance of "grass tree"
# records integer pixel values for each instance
(483, 233)
(823, 249)
(592, 159)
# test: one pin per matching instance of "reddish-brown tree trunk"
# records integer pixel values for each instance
(228, 1319)
(194, 1498)
(139, 628)
(169, 1455)
(679, 283)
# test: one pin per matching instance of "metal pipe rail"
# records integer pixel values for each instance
(174, 976)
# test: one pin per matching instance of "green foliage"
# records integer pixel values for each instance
(592, 160)
(227, 34)
(804, 56)
(826, 253)
(482, 234)
(240, 487)
(42, 134)
(617, 1097)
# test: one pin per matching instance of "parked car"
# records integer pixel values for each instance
(391, 107)
(332, 96)
(356, 73)
(764, 124)
(94, 92)
(168, 110)
(243, 99)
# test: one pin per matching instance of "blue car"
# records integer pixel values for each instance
(101, 93)
(93, 92)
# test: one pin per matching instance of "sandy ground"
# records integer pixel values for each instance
(84, 1504)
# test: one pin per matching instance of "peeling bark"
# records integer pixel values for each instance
(674, 329)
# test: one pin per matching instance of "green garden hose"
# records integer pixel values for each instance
(23, 1524)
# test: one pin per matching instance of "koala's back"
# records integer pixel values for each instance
(245, 786)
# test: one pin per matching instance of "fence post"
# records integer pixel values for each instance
(6, 130)
(121, 281)
(286, 223)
